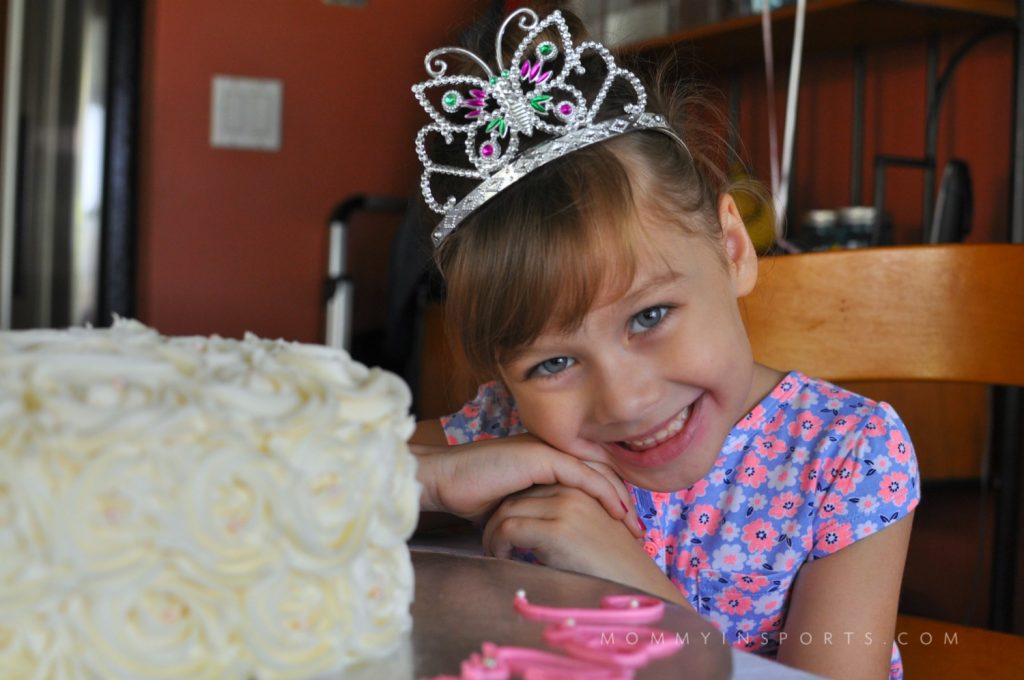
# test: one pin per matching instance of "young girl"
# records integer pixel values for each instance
(595, 260)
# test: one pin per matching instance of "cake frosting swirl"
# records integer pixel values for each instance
(199, 507)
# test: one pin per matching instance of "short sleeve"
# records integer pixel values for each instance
(491, 414)
(870, 482)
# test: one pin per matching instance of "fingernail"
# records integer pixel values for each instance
(623, 507)
(643, 527)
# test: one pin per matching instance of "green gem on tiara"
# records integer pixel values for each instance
(539, 102)
(499, 123)
(547, 50)
(451, 100)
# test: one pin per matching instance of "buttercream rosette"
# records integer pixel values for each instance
(199, 507)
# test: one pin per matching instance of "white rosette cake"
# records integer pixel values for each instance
(199, 507)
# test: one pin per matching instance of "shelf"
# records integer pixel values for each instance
(831, 25)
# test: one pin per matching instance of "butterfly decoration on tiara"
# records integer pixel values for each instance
(529, 94)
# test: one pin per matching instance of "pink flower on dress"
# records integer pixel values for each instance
(842, 473)
(805, 425)
(704, 520)
(844, 424)
(785, 505)
(770, 447)
(692, 560)
(751, 583)
(893, 488)
(751, 473)
(759, 535)
(809, 479)
(660, 500)
(773, 424)
(832, 506)
(834, 535)
(753, 420)
(688, 496)
(875, 427)
(898, 446)
(733, 601)
(785, 388)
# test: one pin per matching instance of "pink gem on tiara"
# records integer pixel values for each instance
(487, 150)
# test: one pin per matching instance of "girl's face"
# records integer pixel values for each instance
(652, 381)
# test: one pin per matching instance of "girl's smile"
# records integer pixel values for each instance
(663, 446)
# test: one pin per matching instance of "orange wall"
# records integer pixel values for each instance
(234, 240)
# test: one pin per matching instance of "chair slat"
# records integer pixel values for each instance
(945, 312)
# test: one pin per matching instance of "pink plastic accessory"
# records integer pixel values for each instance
(614, 609)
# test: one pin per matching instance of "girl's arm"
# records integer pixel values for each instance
(568, 529)
(844, 606)
(469, 480)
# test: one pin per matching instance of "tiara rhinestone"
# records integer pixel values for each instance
(528, 95)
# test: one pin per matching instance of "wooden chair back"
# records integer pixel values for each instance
(941, 312)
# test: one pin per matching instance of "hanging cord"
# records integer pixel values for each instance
(781, 175)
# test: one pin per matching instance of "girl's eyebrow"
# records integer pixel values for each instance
(637, 292)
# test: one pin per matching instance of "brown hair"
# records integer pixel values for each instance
(538, 255)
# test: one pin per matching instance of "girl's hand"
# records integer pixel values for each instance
(567, 529)
(469, 480)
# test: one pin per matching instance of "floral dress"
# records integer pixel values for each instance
(810, 470)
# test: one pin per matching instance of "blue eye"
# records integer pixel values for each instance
(550, 367)
(648, 319)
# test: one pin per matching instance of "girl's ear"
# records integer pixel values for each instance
(739, 249)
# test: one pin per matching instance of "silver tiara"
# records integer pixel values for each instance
(520, 99)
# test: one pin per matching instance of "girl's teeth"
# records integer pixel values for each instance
(669, 430)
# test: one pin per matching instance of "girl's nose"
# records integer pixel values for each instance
(623, 392)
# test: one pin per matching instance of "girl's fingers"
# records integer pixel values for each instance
(571, 471)
(529, 504)
(631, 519)
(526, 533)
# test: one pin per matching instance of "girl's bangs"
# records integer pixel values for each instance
(527, 270)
